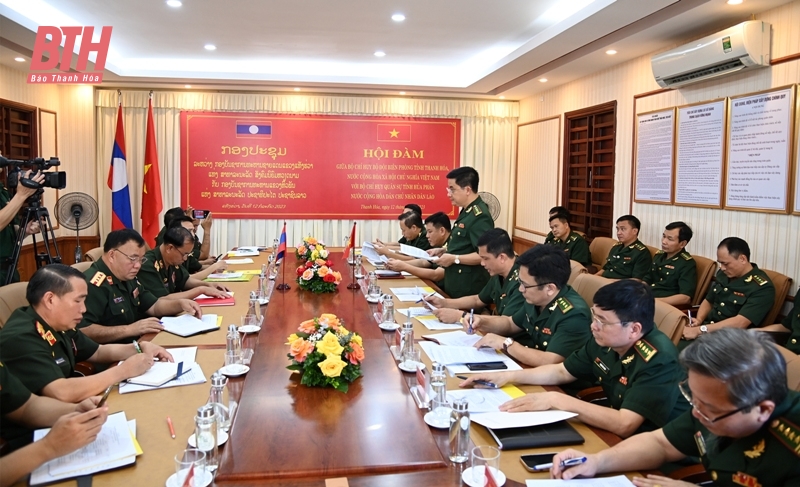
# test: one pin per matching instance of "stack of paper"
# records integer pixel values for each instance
(225, 275)
(454, 357)
(500, 420)
(239, 261)
(369, 252)
(192, 373)
(187, 325)
(454, 338)
(204, 300)
(618, 481)
(415, 252)
(244, 252)
(115, 446)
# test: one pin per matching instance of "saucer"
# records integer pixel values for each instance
(388, 326)
(172, 481)
(234, 370)
(263, 301)
(223, 437)
(466, 476)
(374, 301)
(249, 329)
(402, 366)
(430, 419)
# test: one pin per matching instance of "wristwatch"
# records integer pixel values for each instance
(703, 329)
(457, 261)
(507, 343)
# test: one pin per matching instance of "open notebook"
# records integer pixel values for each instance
(188, 325)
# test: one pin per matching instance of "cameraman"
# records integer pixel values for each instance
(9, 208)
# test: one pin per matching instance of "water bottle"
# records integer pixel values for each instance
(438, 382)
(233, 340)
(220, 402)
(273, 268)
(406, 339)
(254, 310)
(206, 433)
(263, 270)
(387, 311)
(459, 431)
(262, 286)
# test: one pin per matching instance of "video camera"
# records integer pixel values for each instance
(54, 179)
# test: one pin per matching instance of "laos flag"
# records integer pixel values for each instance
(118, 181)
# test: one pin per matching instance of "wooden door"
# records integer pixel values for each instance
(589, 145)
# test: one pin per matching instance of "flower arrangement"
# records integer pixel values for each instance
(311, 249)
(318, 277)
(326, 353)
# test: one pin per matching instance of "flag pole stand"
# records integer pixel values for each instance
(283, 287)
(354, 284)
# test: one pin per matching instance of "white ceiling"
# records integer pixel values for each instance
(453, 48)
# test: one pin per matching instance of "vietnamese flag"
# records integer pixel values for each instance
(152, 203)
(351, 242)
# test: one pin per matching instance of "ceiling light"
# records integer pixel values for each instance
(542, 80)
(398, 17)
(297, 89)
(502, 97)
(210, 47)
(611, 52)
(187, 86)
(402, 92)
(734, 2)
(379, 53)
(19, 59)
(174, 3)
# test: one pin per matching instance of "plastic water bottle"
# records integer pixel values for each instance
(206, 433)
(438, 382)
(233, 340)
(406, 339)
(459, 431)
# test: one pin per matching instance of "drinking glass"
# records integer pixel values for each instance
(190, 462)
(484, 457)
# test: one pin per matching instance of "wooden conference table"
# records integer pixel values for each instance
(292, 435)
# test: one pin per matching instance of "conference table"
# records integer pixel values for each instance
(288, 434)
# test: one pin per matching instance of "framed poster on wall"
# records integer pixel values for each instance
(655, 137)
(700, 154)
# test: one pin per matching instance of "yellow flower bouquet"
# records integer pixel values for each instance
(325, 353)
(311, 249)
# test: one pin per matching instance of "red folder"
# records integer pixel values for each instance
(216, 301)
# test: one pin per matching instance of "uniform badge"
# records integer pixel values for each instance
(669, 266)
(477, 211)
(742, 478)
(118, 299)
(60, 360)
(627, 360)
(460, 225)
(646, 350)
(599, 363)
(157, 265)
(623, 380)
(686, 256)
(110, 280)
(757, 450)
(701, 443)
(135, 293)
(564, 304)
(748, 278)
(760, 280)
(787, 433)
(626, 258)
(97, 279)
(173, 278)
(737, 293)
(547, 331)
(50, 338)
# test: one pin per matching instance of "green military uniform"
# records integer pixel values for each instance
(549, 238)
(643, 380)
(671, 276)
(421, 242)
(792, 322)
(576, 248)
(8, 239)
(561, 326)
(13, 394)
(504, 293)
(192, 263)
(159, 278)
(627, 261)
(112, 302)
(751, 296)
(473, 221)
(768, 457)
(39, 354)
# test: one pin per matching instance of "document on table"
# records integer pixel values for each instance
(183, 354)
(412, 294)
(369, 252)
(454, 338)
(432, 323)
(415, 311)
(502, 419)
(481, 400)
(618, 481)
(225, 275)
(192, 374)
(186, 325)
(239, 261)
(244, 252)
(449, 355)
(415, 252)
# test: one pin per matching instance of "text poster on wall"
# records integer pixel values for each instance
(797, 155)
(700, 154)
(654, 149)
(256, 165)
(759, 148)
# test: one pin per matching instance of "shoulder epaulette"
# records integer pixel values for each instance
(46, 336)
(617, 244)
(564, 304)
(639, 246)
(98, 279)
(514, 275)
(646, 350)
(760, 280)
(787, 433)
(477, 210)
(686, 256)
(572, 238)
(659, 252)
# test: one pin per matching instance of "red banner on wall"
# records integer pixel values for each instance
(246, 165)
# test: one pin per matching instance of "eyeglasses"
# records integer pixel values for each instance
(185, 255)
(135, 259)
(687, 394)
(528, 286)
(600, 322)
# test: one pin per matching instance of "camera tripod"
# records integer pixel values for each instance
(35, 212)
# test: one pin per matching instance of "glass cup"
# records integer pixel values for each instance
(233, 357)
(441, 411)
(247, 355)
(190, 463)
(374, 292)
(249, 320)
(411, 358)
(485, 457)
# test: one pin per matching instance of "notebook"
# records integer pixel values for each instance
(187, 325)
(553, 434)
(160, 373)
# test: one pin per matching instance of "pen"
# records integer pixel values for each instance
(105, 396)
(566, 463)
(479, 381)
(137, 347)
(171, 429)
(690, 316)
(470, 331)
(425, 297)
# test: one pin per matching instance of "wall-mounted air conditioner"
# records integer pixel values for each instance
(743, 46)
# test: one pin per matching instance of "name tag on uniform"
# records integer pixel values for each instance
(118, 300)
(60, 360)
(599, 363)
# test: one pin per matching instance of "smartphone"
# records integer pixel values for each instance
(487, 366)
(200, 214)
(105, 396)
(531, 461)
(218, 257)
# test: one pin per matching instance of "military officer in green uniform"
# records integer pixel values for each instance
(414, 234)
(635, 364)
(502, 290)
(42, 344)
(437, 230)
(118, 308)
(163, 275)
(9, 208)
(198, 261)
(629, 258)
(463, 273)
(200, 272)
(570, 242)
(741, 295)
(673, 275)
(556, 210)
(553, 322)
(792, 322)
(743, 426)
(74, 426)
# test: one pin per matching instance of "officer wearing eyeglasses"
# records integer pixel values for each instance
(743, 423)
(163, 272)
(635, 364)
(118, 308)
